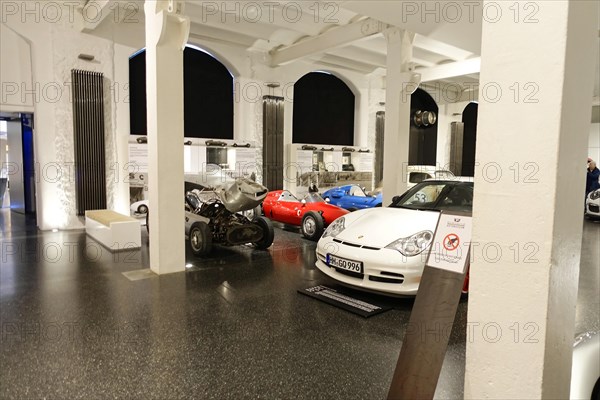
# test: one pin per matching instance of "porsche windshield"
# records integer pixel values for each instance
(437, 196)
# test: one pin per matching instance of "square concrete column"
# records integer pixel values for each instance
(534, 114)
(400, 84)
(166, 35)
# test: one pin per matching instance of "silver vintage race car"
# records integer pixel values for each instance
(227, 216)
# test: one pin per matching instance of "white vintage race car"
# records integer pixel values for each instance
(384, 249)
(139, 207)
(592, 204)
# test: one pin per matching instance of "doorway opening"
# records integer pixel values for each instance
(17, 163)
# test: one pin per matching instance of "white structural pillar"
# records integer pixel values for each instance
(166, 35)
(535, 104)
(400, 84)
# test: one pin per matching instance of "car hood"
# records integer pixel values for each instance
(379, 227)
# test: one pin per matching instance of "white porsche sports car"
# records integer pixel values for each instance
(592, 204)
(385, 249)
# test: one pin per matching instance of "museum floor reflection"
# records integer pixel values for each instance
(232, 326)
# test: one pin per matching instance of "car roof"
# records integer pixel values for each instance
(453, 179)
(449, 180)
(426, 168)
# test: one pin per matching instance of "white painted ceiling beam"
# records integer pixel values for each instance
(257, 30)
(345, 63)
(435, 46)
(219, 35)
(332, 38)
(94, 12)
(246, 18)
(450, 70)
(422, 61)
(360, 54)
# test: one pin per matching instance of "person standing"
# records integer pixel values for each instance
(593, 175)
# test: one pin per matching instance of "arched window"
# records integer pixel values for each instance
(323, 110)
(469, 119)
(207, 95)
(423, 138)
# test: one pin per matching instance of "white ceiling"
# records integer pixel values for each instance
(268, 29)
(325, 32)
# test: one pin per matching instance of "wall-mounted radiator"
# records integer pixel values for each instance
(88, 131)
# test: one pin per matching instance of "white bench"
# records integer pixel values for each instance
(113, 230)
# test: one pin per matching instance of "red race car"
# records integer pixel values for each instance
(312, 213)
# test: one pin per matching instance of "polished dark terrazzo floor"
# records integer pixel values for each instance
(231, 327)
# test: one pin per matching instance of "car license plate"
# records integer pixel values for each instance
(342, 263)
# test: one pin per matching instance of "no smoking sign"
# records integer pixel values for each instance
(450, 247)
(451, 241)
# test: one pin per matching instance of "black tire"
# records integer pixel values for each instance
(142, 209)
(312, 225)
(200, 239)
(268, 233)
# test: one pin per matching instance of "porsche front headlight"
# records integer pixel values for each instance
(335, 228)
(412, 245)
(595, 194)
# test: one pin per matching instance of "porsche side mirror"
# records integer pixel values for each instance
(327, 200)
(395, 199)
(303, 202)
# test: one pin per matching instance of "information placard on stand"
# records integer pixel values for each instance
(138, 157)
(305, 161)
(365, 162)
(432, 317)
(245, 156)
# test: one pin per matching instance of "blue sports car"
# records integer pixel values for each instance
(351, 197)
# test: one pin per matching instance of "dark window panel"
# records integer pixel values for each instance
(208, 96)
(323, 110)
